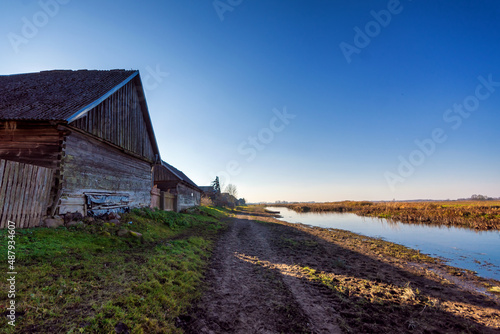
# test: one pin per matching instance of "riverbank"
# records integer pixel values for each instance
(203, 271)
(273, 276)
(480, 215)
(137, 276)
(458, 246)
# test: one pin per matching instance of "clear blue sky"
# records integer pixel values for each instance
(362, 87)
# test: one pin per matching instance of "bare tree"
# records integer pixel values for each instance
(231, 190)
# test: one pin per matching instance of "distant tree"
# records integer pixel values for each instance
(241, 202)
(231, 190)
(479, 197)
(216, 185)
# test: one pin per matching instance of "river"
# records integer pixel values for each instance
(459, 247)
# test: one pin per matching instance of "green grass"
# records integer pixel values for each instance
(87, 279)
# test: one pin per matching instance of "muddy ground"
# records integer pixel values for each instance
(268, 276)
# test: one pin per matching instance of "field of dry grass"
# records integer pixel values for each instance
(481, 215)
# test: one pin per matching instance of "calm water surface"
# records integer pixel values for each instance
(464, 248)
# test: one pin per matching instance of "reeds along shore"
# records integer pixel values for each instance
(480, 215)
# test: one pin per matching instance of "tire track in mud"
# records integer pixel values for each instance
(249, 289)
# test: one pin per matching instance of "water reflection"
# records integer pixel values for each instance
(460, 247)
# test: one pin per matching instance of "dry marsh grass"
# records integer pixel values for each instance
(481, 215)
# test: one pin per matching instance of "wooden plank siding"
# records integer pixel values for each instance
(120, 120)
(24, 193)
(162, 174)
(155, 198)
(111, 149)
(30, 142)
(167, 201)
(187, 197)
(91, 165)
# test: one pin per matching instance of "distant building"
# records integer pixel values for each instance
(169, 179)
(208, 190)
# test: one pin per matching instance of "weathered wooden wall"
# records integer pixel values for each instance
(155, 198)
(187, 197)
(24, 193)
(167, 185)
(162, 174)
(119, 119)
(162, 200)
(167, 201)
(35, 143)
(90, 165)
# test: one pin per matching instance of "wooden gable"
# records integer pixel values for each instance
(123, 120)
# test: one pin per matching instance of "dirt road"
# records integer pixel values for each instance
(284, 278)
(253, 290)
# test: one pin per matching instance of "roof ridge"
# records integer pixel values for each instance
(96, 102)
(56, 94)
(177, 172)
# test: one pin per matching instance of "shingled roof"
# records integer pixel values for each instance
(179, 174)
(56, 95)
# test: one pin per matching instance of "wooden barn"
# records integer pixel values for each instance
(208, 190)
(170, 180)
(91, 129)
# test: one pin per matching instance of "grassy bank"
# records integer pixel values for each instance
(88, 279)
(481, 215)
